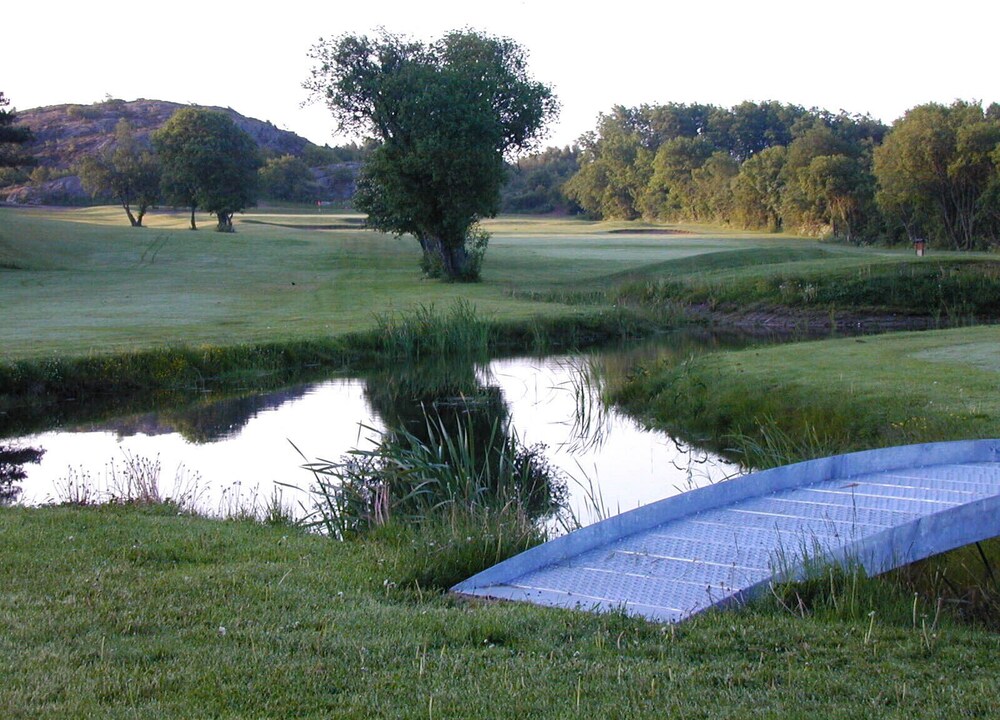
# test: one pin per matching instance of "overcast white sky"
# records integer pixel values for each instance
(875, 56)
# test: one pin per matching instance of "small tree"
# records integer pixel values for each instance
(207, 162)
(12, 137)
(127, 172)
(446, 115)
(287, 178)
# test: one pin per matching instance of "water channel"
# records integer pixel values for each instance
(232, 454)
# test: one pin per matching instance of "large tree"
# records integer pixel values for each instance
(127, 171)
(209, 163)
(616, 164)
(12, 136)
(446, 116)
(936, 170)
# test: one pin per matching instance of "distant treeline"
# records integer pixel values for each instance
(935, 174)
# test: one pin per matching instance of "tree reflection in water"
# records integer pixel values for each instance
(448, 441)
(13, 458)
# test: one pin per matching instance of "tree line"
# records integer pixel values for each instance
(934, 174)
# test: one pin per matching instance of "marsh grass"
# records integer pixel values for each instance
(427, 332)
(771, 445)
(458, 501)
(130, 480)
(405, 478)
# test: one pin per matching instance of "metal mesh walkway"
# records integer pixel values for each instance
(676, 557)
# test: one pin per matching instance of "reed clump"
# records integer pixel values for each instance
(458, 498)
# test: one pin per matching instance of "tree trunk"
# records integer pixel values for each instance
(193, 226)
(225, 222)
(456, 261)
(131, 218)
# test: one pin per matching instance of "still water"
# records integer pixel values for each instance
(240, 454)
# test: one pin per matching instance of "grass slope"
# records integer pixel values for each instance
(124, 612)
(852, 393)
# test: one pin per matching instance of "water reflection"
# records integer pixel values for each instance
(13, 458)
(239, 446)
(446, 413)
(202, 422)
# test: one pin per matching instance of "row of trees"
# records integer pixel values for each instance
(934, 174)
(198, 159)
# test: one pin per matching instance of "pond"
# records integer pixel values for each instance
(246, 453)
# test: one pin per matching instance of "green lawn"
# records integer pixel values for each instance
(853, 393)
(79, 281)
(122, 613)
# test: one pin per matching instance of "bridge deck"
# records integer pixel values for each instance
(676, 557)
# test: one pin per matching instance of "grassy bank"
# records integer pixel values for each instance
(78, 282)
(828, 396)
(125, 612)
(95, 309)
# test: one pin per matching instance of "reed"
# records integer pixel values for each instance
(425, 332)
(469, 500)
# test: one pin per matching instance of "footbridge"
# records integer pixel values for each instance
(720, 544)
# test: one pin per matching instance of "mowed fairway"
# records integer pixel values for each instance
(80, 281)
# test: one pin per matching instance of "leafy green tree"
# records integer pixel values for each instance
(935, 171)
(670, 192)
(749, 128)
(287, 178)
(207, 162)
(447, 114)
(758, 189)
(840, 190)
(712, 188)
(12, 137)
(615, 168)
(127, 171)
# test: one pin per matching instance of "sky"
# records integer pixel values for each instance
(877, 57)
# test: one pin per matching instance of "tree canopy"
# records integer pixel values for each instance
(209, 163)
(939, 174)
(287, 178)
(760, 165)
(127, 171)
(446, 115)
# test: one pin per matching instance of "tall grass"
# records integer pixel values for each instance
(468, 501)
(771, 445)
(405, 478)
(426, 332)
(130, 480)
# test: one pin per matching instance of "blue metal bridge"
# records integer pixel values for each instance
(720, 544)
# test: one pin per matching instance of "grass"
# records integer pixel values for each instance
(127, 609)
(85, 283)
(832, 395)
(119, 612)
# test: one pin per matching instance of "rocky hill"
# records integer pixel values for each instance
(65, 134)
